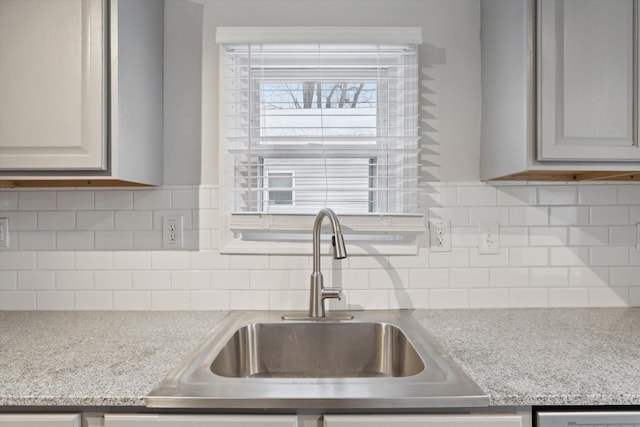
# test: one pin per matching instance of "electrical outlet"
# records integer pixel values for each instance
(637, 237)
(172, 231)
(488, 238)
(440, 234)
(4, 232)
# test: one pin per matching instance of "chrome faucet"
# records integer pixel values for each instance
(318, 292)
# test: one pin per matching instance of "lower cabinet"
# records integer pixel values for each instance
(461, 420)
(40, 420)
(142, 420)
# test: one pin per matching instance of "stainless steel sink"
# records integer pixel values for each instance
(318, 350)
(256, 360)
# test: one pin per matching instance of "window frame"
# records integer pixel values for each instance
(396, 233)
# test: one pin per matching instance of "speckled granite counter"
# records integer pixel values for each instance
(545, 356)
(519, 357)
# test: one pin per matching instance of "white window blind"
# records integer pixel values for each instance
(312, 125)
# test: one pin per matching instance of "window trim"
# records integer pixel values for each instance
(405, 229)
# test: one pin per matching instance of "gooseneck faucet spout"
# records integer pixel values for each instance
(318, 292)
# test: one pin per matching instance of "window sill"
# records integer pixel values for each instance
(364, 234)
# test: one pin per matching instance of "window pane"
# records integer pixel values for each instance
(343, 181)
(318, 109)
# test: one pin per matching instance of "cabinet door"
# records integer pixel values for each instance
(142, 420)
(586, 80)
(40, 420)
(462, 420)
(52, 69)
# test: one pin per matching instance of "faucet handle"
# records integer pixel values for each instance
(332, 293)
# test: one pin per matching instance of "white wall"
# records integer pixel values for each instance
(100, 249)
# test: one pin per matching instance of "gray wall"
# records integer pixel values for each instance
(450, 61)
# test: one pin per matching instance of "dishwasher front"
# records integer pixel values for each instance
(588, 419)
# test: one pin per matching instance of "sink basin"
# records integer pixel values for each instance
(318, 350)
(378, 360)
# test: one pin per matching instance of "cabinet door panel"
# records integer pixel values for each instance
(52, 85)
(423, 421)
(586, 80)
(200, 420)
(40, 420)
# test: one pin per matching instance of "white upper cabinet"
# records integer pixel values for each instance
(52, 105)
(81, 92)
(586, 80)
(560, 89)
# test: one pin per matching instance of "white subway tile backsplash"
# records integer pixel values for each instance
(36, 280)
(557, 195)
(36, 200)
(133, 220)
(509, 277)
(61, 220)
(114, 200)
(94, 300)
(629, 194)
(488, 214)
(77, 200)
(469, 277)
(101, 249)
(249, 300)
(37, 241)
(609, 255)
(569, 215)
(110, 280)
(20, 300)
(588, 236)
(74, 280)
(528, 256)
(75, 240)
(8, 280)
(609, 297)
(528, 216)
(151, 280)
(528, 297)
(170, 300)
(569, 256)
(517, 196)
(132, 300)
(569, 297)
(609, 215)
(191, 279)
(429, 278)
(622, 235)
(152, 199)
(8, 201)
(589, 276)
(548, 236)
(55, 300)
(548, 277)
(488, 298)
(95, 220)
(94, 260)
(448, 298)
(597, 195)
(209, 300)
(113, 240)
(477, 196)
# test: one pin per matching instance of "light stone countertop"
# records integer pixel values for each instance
(520, 357)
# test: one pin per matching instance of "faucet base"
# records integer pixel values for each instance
(333, 316)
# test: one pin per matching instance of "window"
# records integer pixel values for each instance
(312, 125)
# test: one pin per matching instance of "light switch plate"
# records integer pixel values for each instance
(489, 238)
(4, 232)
